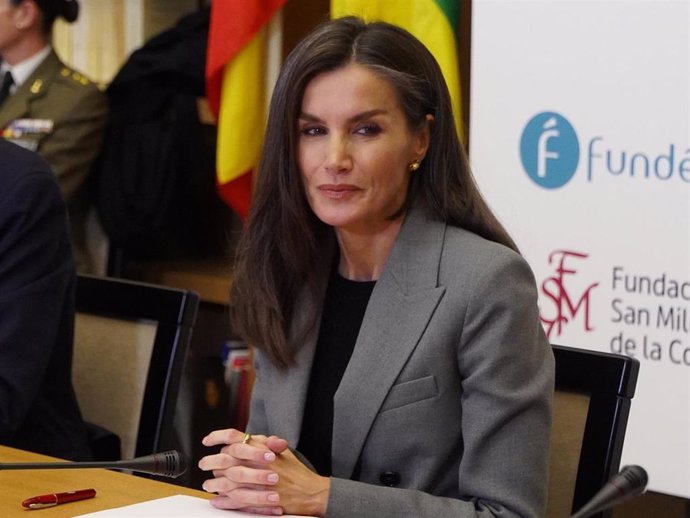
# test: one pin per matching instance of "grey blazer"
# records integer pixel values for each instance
(448, 392)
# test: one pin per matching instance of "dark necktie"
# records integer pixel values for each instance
(7, 83)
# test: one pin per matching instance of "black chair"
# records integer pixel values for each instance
(130, 344)
(591, 407)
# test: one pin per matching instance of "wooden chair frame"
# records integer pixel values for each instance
(174, 311)
(609, 381)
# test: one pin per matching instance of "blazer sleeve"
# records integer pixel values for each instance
(507, 369)
(36, 267)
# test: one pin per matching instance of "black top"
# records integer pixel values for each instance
(343, 311)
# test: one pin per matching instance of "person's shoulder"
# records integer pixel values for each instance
(68, 92)
(18, 164)
(74, 80)
(62, 79)
(54, 73)
(73, 88)
(476, 268)
(470, 258)
(479, 249)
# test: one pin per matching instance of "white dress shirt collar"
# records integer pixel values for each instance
(22, 70)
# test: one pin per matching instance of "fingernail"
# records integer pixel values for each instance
(203, 486)
(270, 456)
(273, 497)
(272, 478)
(277, 511)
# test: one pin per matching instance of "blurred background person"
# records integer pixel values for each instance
(38, 408)
(47, 107)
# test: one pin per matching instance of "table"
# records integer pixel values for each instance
(113, 489)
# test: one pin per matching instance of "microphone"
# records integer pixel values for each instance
(629, 482)
(167, 463)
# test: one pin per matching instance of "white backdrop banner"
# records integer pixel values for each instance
(580, 141)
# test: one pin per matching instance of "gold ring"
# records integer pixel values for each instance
(247, 438)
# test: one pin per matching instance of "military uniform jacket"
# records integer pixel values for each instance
(60, 114)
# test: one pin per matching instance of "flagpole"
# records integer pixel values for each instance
(274, 53)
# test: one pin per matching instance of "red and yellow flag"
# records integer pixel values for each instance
(235, 87)
(433, 22)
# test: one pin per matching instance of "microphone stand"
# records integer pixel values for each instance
(168, 464)
(629, 482)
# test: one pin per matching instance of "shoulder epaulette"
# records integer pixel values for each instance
(75, 76)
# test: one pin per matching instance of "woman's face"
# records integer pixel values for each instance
(355, 147)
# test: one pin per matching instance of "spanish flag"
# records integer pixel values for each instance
(433, 22)
(235, 88)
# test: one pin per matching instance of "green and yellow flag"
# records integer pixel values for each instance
(433, 22)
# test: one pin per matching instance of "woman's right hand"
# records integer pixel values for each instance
(242, 475)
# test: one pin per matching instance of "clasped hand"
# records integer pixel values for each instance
(261, 476)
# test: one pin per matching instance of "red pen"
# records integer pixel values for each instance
(38, 502)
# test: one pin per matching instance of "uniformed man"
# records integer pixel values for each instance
(48, 107)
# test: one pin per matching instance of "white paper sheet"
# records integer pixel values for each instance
(178, 506)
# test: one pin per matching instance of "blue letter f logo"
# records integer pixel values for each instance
(549, 150)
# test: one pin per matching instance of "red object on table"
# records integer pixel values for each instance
(41, 501)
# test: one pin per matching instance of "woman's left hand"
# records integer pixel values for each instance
(245, 476)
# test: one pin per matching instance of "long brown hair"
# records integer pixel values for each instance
(285, 245)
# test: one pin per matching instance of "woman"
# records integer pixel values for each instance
(51, 108)
(396, 327)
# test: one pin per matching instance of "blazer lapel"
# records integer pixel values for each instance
(399, 310)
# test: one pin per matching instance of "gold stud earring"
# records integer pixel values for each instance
(414, 166)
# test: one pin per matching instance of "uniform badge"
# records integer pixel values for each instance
(19, 128)
(27, 133)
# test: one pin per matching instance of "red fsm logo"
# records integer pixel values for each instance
(565, 302)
